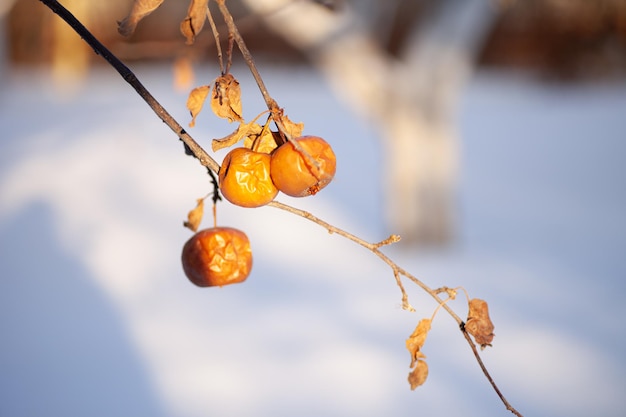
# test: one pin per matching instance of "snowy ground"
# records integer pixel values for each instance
(97, 319)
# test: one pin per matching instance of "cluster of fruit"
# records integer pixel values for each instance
(250, 176)
(252, 179)
(221, 255)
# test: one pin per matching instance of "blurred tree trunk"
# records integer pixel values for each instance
(5, 7)
(410, 97)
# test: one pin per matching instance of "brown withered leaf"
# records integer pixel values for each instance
(291, 128)
(478, 322)
(418, 375)
(226, 98)
(139, 10)
(191, 26)
(196, 100)
(415, 342)
(194, 217)
(242, 131)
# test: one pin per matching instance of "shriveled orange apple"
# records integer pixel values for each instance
(217, 256)
(295, 175)
(245, 179)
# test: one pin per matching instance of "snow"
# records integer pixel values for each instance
(97, 318)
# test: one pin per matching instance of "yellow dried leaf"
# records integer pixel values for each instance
(191, 26)
(242, 131)
(263, 141)
(139, 10)
(195, 102)
(418, 375)
(183, 73)
(226, 98)
(478, 322)
(415, 342)
(194, 218)
(291, 128)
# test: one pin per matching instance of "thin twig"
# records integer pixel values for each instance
(488, 375)
(373, 247)
(216, 36)
(229, 53)
(397, 270)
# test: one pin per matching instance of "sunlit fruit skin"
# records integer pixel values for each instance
(217, 256)
(294, 175)
(245, 179)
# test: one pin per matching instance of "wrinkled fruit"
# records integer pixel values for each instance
(217, 256)
(294, 175)
(245, 178)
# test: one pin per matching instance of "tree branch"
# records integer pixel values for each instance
(207, 161)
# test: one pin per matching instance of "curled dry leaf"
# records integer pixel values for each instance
(195, 102)
(414, 344)
(140, 9)
(419, 374)
(195, 216)
(478, 322)
(242, 131)
(191, 26)
(226, 98)
(291, 128)
(263, 141)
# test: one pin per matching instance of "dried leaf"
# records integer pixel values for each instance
(183, 73)
(195, 102)
(415, 342)
(194, 218)
(478, 322)
(242, 131)
(140, 9)
(264, 141)
(291, 128)
(226, 98)
(191, 26)
(418, 375)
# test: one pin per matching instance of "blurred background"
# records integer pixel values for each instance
(488, 134)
